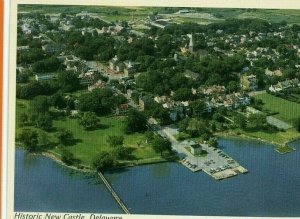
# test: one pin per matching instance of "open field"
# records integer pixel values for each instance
(287, 110)
(278, 138)
(126, 13)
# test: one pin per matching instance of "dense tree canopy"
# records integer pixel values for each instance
(160, 144)
(104, 161)
(135, 122)
(89, 120)
(30, 140)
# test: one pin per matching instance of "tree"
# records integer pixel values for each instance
(23, 119)
(213, 142)
(163, 115)
(241, 121)
(122, 152)
(89, 120)
(30, 140)
(136, 122)
(297, 124)
(44, 121)
(160, 145)
(149, 136)
(183, 94)
(99, 101)
(197, 127)
(104, 161)
(58, 100)
(40, 104)
(68, 157)
(47, 65)
(43, 138)
(257, 120)
(199, 107)
(68, 81)
(233, 86)
(115, 140)
(65, 137)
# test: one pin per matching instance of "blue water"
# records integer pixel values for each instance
(43, 185)
(271, 188)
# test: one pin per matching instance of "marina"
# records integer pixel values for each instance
(215, 163)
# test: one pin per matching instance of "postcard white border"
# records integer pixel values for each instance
(10, 66)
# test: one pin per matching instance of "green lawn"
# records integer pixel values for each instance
(288, 111)
(90, 143)
(279, 138)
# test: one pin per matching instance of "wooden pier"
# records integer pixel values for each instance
(113, 193)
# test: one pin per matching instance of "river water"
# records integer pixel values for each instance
(271, 188)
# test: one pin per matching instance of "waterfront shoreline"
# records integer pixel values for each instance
(87, 169)
(244, 136)
(228, 134)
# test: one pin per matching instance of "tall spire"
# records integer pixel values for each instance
(191, 45)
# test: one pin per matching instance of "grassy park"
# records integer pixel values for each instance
(277, 138)
(287, 110)
(88, 144)
(91, 143)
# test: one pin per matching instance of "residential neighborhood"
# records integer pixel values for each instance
(198, 78)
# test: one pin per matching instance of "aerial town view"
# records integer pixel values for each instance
(144, 110)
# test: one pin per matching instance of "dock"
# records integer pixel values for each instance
(113, 193)
(216, 163)
(193, 168)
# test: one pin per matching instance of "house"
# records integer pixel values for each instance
(196, 149)
(176, 109)
(207, 109)
(231, 101)
(130, 67)
(71, 61)
(113, 63)
(98, 85)
(190, 74)
(249, 82)
(240, 100)
(275, 88)
(215, 89)
(270, 73)
(45, 76)
(295, 82)
(122, 109)
(22, 48)
(87, 78)
(202, 53)
(282, 85)
(285, 84)
(176, 112)
(120, 67)
(53, 47)
(161, 99)
(145, 102)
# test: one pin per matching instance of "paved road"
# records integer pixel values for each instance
(212, 160)
(103, 69)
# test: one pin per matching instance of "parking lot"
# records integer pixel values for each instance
(216, 163)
